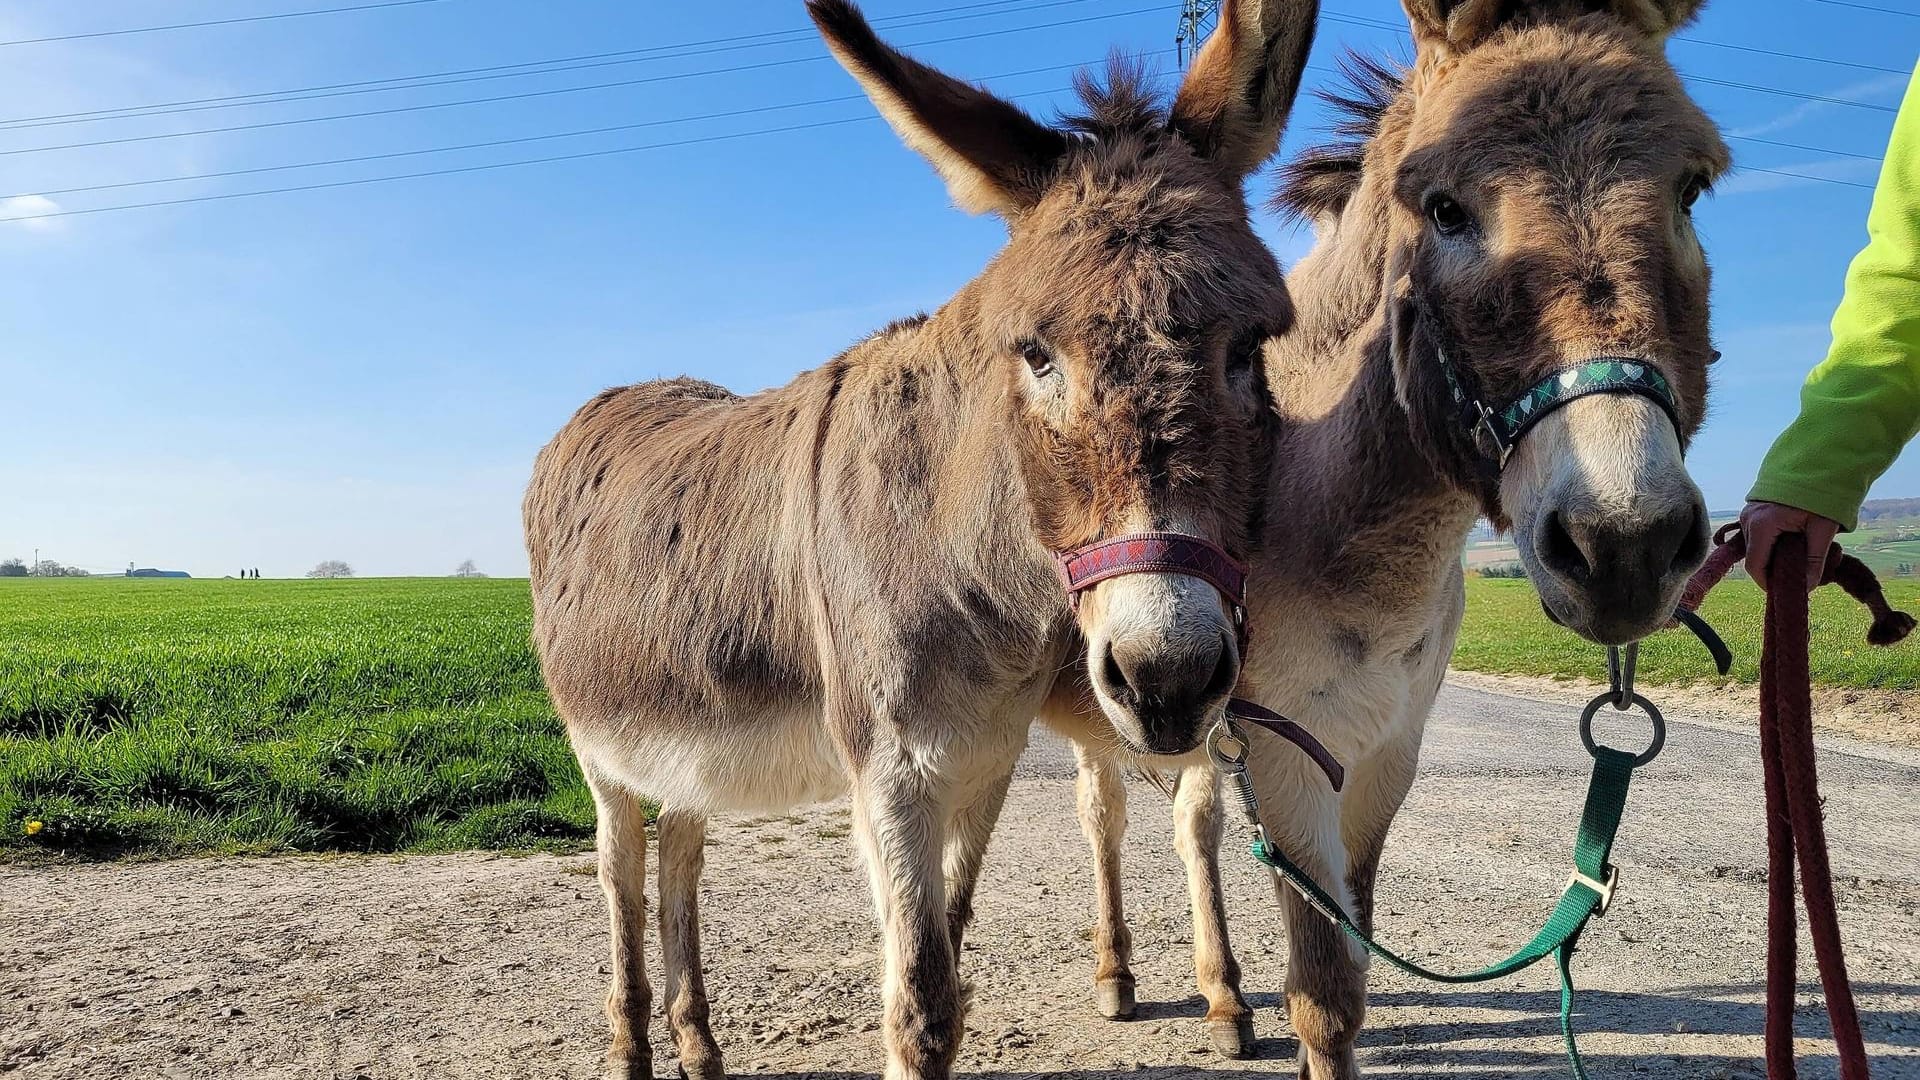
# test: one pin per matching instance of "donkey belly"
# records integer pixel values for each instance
(766, 764)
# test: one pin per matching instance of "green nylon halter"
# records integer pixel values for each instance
(1588, 893)
(1503, 427)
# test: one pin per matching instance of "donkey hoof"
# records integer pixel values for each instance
(703, 1069)
(1335, 1066)
(629, 1066)
(1232, 1036)
(1114, 998)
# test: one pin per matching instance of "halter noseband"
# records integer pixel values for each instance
(1157, 553)
(1500, 429)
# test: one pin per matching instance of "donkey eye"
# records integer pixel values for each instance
(1245, 352)
(1697, 185)
(1039, 360)
(1447, 215)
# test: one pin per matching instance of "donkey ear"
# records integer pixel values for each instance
(1233, 106)
(1454, 26)
(1658, 18)
(994, 157)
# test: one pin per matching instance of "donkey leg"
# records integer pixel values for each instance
(621, 836)
(899, 819)
(1103, 817)
(1197, 827)
(969, 830)
(1326, 972)
(1376, 789)
(683, 838)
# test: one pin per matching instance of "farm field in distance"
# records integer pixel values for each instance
(173, 717)
(1506, 633)
(155, 717)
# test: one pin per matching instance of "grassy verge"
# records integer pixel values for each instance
(174, 717)
(1506, 633)
(178, 717)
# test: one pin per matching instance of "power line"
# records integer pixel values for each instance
(1794, 56)
(491, 143)
(1807, 149)
(1809, 176)
(360, 181)
(1776, 91)
(1869, 7)
(548, 66)
(592, 154)
(218, 22)
(728, 114)
(542, 93)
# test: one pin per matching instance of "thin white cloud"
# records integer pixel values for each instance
(1752, 180)
(1865, 89)
(27, 211)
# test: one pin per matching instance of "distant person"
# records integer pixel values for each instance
(1861, 406)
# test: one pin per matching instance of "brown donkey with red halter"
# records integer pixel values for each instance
(1505, 315)
(850, 583)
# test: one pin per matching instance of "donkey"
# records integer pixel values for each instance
(1513, 206)
(849, 583)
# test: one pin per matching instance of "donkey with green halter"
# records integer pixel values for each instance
(1505, 316)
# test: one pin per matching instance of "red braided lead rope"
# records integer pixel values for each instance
(1794, 824)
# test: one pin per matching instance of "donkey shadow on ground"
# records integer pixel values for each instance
(1429, 1051)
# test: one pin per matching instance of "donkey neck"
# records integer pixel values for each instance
(938, 395)
(1355, 484)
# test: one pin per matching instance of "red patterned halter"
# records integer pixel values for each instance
(1158, 553)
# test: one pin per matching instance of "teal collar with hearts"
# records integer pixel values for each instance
(1499, 430)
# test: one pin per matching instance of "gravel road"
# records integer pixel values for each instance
(492, 966)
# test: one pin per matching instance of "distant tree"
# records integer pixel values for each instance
(49, 568)
(13, 568)
(467, 569)
(1503, 570)
(332, 568)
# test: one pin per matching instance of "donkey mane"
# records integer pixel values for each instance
(1124, 104)
(1321, 180)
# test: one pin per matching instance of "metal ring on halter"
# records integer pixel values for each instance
(1223, 733)
(1653, 714)
(1620, 675)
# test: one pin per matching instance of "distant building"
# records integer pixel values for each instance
(150, 572)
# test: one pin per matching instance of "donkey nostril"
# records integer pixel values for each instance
(1561, 552)
(1693, 545)
(1225, 672)
(1115, 677)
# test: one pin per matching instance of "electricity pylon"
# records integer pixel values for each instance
(1197, 18)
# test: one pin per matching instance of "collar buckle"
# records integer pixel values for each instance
(1486, 432)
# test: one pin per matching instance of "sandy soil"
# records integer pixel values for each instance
(492, 966)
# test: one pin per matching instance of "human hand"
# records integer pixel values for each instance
(1763, 523)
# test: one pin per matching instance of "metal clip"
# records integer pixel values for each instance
(1603, 888)
(1228, 750)
(1485, 427)
(1620, 674)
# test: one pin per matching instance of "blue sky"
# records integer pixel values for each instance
(366, 372)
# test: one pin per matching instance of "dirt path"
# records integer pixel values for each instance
(492, 967)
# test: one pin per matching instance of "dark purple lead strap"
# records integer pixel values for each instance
(1266, 719)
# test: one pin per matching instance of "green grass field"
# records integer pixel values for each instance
(1506, 633)
(175, 717)
(168, 717)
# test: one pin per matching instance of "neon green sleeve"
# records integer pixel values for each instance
(1861, 406)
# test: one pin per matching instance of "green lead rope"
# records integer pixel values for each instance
(1599, 822)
